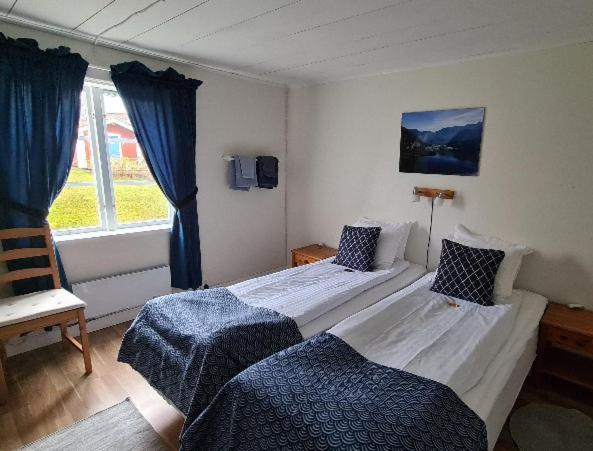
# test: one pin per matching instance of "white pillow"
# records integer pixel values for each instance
(513, 255)
(392, 241)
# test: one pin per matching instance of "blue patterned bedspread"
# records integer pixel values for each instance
(188, 345)
(321, 394)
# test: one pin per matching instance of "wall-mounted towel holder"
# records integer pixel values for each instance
(228, 158)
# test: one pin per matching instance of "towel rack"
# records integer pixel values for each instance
(231, 158)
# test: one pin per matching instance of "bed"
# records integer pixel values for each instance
(188, 345)
(495, 394)
(417, 370)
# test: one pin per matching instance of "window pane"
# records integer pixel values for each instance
(77, 205)
(137, 196)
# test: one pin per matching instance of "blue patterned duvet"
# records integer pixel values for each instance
(188, 345)
(321, 394)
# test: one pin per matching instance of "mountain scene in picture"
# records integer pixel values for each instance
(442, 142)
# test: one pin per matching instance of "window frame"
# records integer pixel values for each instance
(94, 91)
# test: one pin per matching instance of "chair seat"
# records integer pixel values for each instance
(17, 309)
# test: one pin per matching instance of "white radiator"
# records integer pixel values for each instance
(123, 291)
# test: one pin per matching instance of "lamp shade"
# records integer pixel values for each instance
(439, 199)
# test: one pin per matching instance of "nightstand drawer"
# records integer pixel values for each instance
(300, 260)
(565, 347)
(570, 339)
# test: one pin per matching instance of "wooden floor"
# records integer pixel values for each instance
(48, 391)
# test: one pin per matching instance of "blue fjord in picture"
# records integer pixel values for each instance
(442, 142)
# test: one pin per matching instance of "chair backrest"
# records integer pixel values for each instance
(17, 254)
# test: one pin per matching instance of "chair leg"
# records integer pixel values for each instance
(84, 339)
(3, 386)
(3, 356)
(64, 331)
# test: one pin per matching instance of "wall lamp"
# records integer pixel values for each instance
(433, 193)
(437, 196)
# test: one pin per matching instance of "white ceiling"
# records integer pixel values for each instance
(317, 40)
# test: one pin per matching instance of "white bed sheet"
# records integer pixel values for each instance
(416, 330)
(365, 299)
(494, 395)
(306, 292)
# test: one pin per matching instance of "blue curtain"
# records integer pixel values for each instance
(162, 109)
(39, 110)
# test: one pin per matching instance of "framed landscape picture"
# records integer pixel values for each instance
(442, 142)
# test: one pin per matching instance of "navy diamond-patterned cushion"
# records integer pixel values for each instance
(467, 272)
(357, 247)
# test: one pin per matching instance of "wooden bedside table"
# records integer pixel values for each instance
(311, 254)
(565, 348)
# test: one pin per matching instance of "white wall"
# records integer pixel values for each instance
(536, 167)
(241, 233)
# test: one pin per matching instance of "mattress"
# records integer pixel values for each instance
(307, 292)
(365, 299)
(438, 337)
(494, 395)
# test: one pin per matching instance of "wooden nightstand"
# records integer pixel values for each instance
(565, 348)
(311, 254)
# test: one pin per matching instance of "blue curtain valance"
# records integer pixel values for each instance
(29, 48)
(135, 70)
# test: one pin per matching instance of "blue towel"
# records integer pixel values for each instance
(267, 172)
(245, 175)
(247, 166)
(232, 178)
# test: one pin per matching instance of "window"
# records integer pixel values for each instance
(110, 185)
(114, 146)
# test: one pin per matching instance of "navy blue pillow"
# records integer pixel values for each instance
(467, 272)
(357, 247)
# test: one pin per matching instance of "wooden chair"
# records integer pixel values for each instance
(25, 313)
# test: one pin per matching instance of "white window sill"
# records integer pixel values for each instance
(73, 236)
